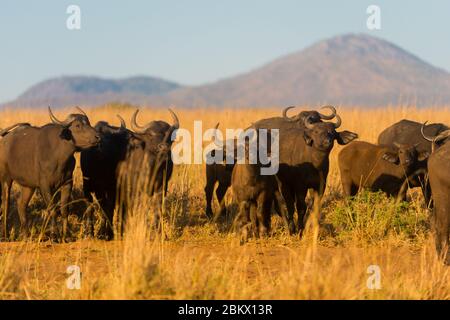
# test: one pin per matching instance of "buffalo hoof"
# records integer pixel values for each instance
(209, 213)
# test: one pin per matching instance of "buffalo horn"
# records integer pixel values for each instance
(331, 116)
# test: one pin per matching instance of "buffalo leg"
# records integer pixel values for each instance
(22, 204)
(220, 194)
(243, 221)
(289, 200)
(426, 191)
(47, 195)
(441, 230)
(109, 206)
(88, 223)
(6, 190)
(263, 214)
(348, 188)
(66, 190)
(279, 208)
(300, 204)
(209, 191)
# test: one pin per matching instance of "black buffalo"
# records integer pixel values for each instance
(409, 132)
(220, 173)
(304, 164)
(438, 170)
(112, 170)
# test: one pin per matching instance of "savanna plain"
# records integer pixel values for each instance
(195, 258)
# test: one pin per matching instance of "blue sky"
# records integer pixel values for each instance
(196, 41)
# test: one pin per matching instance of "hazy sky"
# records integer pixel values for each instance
(196, 41)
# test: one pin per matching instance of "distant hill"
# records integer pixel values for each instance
(350, 70)
(358, 70)
(82, 90)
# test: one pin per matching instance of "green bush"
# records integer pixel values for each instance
(370, 217)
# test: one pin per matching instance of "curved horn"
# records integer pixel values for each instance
(176, 122)
(430, 139)
(307, 122)
(134, 124)
(218, 142)
(81, 110)
(286, 117)
(331, 116)
(285, 110)
(123, 126)
(338, 122)
(53, 118)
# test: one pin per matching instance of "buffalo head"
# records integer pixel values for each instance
(321, 135)
(155, 136)
(77, 129)
(406, 155)
(436, 141)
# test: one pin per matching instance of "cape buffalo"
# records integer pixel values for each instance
(124, 158)
(217, 173)
(253, 191)
(43, 157)
(409, 132)
(304, 163)
(365, 165)
(220, 173)
(438, 170)
(255, 194)
(98, 165)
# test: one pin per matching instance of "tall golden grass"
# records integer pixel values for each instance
(198, 259)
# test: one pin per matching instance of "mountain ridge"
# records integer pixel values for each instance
(350, 69)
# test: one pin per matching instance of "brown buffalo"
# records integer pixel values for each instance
(365, 165)
(43, 157)
(438, 171)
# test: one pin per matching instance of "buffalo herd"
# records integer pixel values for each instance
(408, 154)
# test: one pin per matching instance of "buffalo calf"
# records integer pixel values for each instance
(255, 194)
(365, 165)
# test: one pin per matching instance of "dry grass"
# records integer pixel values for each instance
(197, 259)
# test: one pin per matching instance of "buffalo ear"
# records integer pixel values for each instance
(391, 157)
(345, 137)
(307, 138)
(66, 134)
(423, 155)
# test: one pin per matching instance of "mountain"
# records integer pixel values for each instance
(357, 70)
(352, 69)
(82, 90)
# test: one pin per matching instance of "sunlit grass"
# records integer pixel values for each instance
(194, 258)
